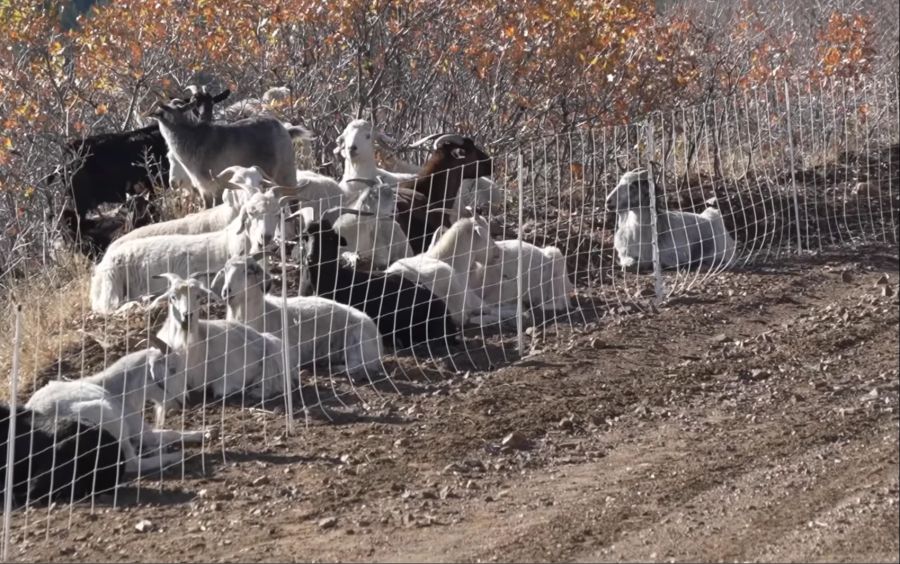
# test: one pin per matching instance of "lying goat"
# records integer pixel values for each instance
(685, 239)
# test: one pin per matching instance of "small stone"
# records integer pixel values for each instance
(399, 443)
(887, 291)
(327, 522)
(261, 481)
(721, 338)
(144, 526)
(445, 492)
(883, 281)
(846, 277)
(515, 440)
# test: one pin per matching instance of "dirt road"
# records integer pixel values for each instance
(755, 419)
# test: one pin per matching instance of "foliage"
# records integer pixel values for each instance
(498, 70)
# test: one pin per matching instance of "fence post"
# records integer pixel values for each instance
(285, 344)
(11, 439)
(790, 132)
(520, 331)
(658, 288)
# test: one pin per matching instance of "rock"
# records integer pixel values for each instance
(883, 281)
(327, 522)
(721, 338)
(144, 526)
(261, 481)
(846, 277)
(887, 291)
(515, 440)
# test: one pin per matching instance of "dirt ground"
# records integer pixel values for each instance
(755, 418)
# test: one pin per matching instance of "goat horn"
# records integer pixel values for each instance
(366, 181)
(425, 140)
(410, 194)
(284, 200)
(200, 273)
(170, 276)
(339, 211)
(449, 138)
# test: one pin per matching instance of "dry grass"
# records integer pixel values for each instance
(54, 305)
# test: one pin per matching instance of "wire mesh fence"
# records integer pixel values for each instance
(292, 313)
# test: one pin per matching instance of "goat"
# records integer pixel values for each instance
(241, 183)
(221, 356)
(356, 146)
(318, 328)
(204, 149)
(374, 237)
(406, 313)
(125, 273)
(92, 236)
(454, 158)
(545, 279)
(685, 238)
(114, 398)
(103, 168)
(57, 458)
(445, 269)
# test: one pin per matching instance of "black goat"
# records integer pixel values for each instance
(437, 185)
(57, 459)
(406, 313)
(103, 168)
(92, 236)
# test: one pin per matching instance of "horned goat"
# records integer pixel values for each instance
(356, 146)
(222, 357)
(114, 400)
(103, 168)
(453, 159)
(126, 272)
(684, 239)
(319, 329)
(241, 183)
(406, 313)
(204, 149)
(374, 237)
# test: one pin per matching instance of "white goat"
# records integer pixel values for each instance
(493, 267)
(685, 238)
(356, 146)
(319, 329)
(126, 272)
(248, 181)
(114, 399)
(223, 357)
(446, 269)
(204, 149)
(374, 237)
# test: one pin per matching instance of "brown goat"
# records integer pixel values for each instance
(454, 158)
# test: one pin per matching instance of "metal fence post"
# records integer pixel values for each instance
(520, 286)
(658, 287)
(790, 136)
(11, 439)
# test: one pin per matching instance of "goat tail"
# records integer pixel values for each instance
(107, 288)
(725, 247)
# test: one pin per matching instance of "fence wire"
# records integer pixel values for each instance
(579, 227)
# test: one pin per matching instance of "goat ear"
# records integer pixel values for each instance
(159, 299)
(242, 221)
(217, 282)
(170, 276)
(221, 96)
